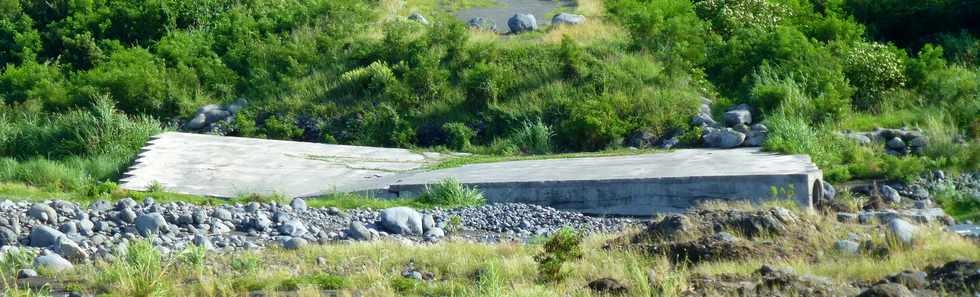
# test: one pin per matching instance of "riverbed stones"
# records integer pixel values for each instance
(522, 22)
(418, 18)
(293, 228)
(298, 204)
(358, 231)
(294, 243)
(724, 138)
(402, 220)
(847, 247)
(890, 194)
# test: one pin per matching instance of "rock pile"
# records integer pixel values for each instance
(738, 129)
(214, 118)
(897, 141)
(73, 233)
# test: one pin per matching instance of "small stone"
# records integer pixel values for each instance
(402, 220)
(26, 273)
(298, 204)
(828, 191)
(910, 279)
(435, 232)
(847, 217)
(847, 247)
(321, 261)
(126, 203)
(482, 24)
(418, 18)
(221, 214)
(428, 222)
(607, 286)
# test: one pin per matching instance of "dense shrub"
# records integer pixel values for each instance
(875, 70)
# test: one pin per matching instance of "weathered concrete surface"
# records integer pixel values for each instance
(230, 166)
(623, 185)
(635, 185)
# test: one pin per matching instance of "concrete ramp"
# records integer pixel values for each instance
(624, 185)
(230, 166)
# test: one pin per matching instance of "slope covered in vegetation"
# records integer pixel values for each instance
(84, 83)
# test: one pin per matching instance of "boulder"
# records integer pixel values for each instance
(44, 236)
(202, 241)
(847, 247)
(902, 230)
(890, 194)
(236, 106)
(428, 222)
(522, 22)
(221, 214)
(294, 243)
(641, 139)
(100, 206)
(151, 223)
(703, 119)
(887, 290)
(26, 273)
(724, 138)
(293, 228)
(126, 203)
(358, 231)
(402, 220)
(896, 143)
(567, 19)
(44, 213)
(197, 122)
(435, 232)
(126, 216)
(52, 262)
(298, 204)
(482, 24)
(828, 191)
(418, 18)
(7, 236)
(738, 116)
(607, 286)
(70, 250)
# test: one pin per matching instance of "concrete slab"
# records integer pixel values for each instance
(624, 185)
(635, 185)
(230, 166)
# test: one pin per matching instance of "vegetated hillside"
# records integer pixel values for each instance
(83, 84)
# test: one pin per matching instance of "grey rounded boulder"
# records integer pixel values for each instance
(738, 116)
(418, 18)
(44, 236)
(358, 231)
(522, 22)
(402, 220)
(902, 230)
(890, 194)
(567, 19)
(298, 204)
(52, 262)
(294, 243)
(44, 213)
(293, 228)
(724, 138)
(482, 24)
(151, 223)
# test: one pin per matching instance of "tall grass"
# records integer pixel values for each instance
(452, 193)
(138, 271)
(533, 138)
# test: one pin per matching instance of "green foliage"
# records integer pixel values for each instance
(246, 263)
(451, 193)
(562, 247)
(323, 281)
(533, 138)
(458, 135)
(728, 15)
(139, 270)
(670, 28)
(875, 70)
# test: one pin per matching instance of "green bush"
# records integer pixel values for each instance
(875, 70)
(562, 247)
(458, 135)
